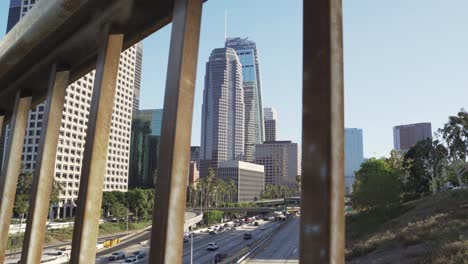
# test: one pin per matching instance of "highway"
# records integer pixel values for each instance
(229, 242)
(282, 247)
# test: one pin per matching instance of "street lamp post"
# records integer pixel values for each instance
(127, 221)
(191, 247)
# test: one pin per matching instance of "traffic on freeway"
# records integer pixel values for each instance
(209, 244)
(283, 247)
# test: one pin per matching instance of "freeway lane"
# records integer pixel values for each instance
(229, 242)
(283, 247)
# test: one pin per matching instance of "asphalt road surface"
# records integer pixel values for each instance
(282, 247)
(229, 242)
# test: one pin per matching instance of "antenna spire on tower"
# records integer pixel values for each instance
(225, 25)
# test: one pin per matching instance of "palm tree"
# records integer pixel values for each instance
(298, 183)
(232, 189)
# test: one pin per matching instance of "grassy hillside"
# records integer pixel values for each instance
(429, 230)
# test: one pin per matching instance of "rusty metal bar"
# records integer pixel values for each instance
(322, 217)
(168, 215)
(12, 166)
(44, 173)
(88, 209)
(2, 122)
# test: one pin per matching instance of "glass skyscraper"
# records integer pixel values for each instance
(223, 110)
(354, 155)
(254, 124)
(144, 148)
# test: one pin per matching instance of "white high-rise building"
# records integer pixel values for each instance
(73, 131)
(223, 111)
(271, 121)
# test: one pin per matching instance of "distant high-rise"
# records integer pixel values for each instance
(354, 155)
(282, 161)
(271, 119)
(223, 110)
(254, 124)
(144, 148)
(405, 136)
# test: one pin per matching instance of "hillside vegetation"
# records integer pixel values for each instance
(429, 230)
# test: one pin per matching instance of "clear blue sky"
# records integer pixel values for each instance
(405, 61)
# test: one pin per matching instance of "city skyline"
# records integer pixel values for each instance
(378, 85)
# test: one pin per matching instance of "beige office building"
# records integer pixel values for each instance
(249, 179)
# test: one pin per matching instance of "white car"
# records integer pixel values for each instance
(212, 246)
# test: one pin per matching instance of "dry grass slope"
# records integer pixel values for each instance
(429, 230)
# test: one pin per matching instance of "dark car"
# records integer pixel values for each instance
(226, 225)
(136, 253)
(117, 256)
(141, 256)
(256, 224)
(185, 240)
(212, 233)
(247, 236)
(219, 257)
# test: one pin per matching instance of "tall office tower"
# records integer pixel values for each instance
(222, 135)
(144, 148)
(248, 178)
(73, 131)
(354, 155)
(254, 127)
(137, 82)
(271, 118)
(282, 161)
(405, 136)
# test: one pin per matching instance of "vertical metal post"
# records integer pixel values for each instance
(88, 208)
(171, 188)
(2, 120)
(45, 165)
(12, 166)
(322, 219)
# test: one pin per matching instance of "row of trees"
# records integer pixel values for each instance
(23, 194)
(276, 191)
(423, 170)
(138, 202)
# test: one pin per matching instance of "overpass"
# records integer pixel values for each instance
(65, 39)
(281, 201)
(242, 209)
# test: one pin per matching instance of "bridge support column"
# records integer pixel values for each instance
(171, 187)
(2, 122)
(322, 218)
(12, 167)
(45, 165)
(93, 170)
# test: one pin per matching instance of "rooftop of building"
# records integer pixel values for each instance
(242, 165)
